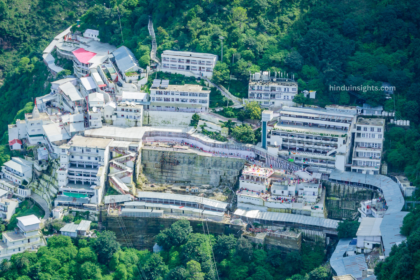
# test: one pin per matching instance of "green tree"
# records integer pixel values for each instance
(347, 229)
(194, 271)
(294, 61)
(320, 273)
(176, 235)
(194, 119)
(177, 273)
(221, 73)
(300, 99)
(253, 110)
(121, 272)
(68, 218)
(86, 255)
(105, 246)
(90, 270)
(344, 98)
(244, 249)
(244, 133)
(223, 245)
(155, 268)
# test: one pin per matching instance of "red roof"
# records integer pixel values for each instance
(83, 55)
(14, 141)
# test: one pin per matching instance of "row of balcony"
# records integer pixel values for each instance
(310, 138)
(165, 59)
(194, 101)
(309, 145)
(314, 125)
(167, 93)
(328, 119)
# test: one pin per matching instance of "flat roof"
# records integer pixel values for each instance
(133, 95)
(88, 83)
(29, 220)
(373, 121)
(316, 111)
(81, 141)
(180, 197)
(54, 132)
(290, 218)
(71, 91)
(118, 198)
(18, 166)
(370, 227)
(187, 88)
(190, 54)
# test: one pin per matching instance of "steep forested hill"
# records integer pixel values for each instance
(26, 28)
(321, 43)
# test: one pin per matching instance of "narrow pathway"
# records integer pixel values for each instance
(225, 92)
(41, 202)
(154, 44)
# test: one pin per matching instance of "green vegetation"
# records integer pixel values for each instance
(237, 88)
(347, 229)
(187, 255)
(217, 99)
(244, 134)
(403, 260)
(229, 112)
(25, 208)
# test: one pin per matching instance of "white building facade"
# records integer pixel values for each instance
(314, 137)
(83, 168)
(269, 90)
(188, 63)
(27, 237)
(180, 98)
(368, 145)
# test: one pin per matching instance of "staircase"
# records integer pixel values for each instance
(123, 170)
(154, 44)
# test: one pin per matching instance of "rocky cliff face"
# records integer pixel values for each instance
(190, 168)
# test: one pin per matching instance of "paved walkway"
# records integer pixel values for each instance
(225, 93)
(41, 202)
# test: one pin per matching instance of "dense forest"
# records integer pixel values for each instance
(186, 255)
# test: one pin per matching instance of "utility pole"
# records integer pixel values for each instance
(221, 49)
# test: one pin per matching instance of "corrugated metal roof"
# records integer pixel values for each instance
(289, 218)
(124, 59)
(118, 198)
(353, 265)
(392, 221)
(186, 198)
(370, 227)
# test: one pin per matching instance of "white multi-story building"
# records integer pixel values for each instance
(375, 208)
(405, 185)
(270, 90)
(91, 33)
(128, 114)
(136, 97)
(368, 145)
(17, 170)
(315, 137)
(369, 234)
(26, 237)
(260, 190)
(83, 169)
(179, 98)
(7, 205)
(188, 63)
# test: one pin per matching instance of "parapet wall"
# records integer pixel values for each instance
(189, 168)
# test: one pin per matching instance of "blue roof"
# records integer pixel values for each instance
(392, 221)
(124, 59)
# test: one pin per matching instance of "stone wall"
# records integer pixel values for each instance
(343, 201)
(189, 168)
(142, 231)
